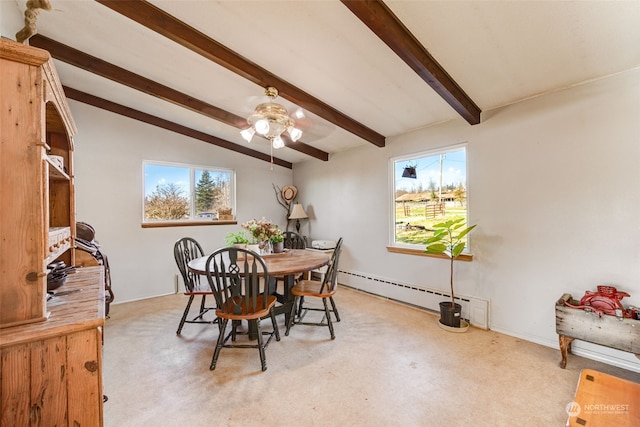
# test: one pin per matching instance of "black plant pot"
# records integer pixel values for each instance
(450, 316)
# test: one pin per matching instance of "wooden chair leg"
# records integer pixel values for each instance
(202, 311)
(291, 316)
(300, 304)
(219, 344)
(184, 315)
(335, 309)
(328, 314)
(263, 357)
(276, 331)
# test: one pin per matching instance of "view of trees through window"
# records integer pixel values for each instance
(177, 192)
(429, 188)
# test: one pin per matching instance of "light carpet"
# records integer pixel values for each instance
(389, 365)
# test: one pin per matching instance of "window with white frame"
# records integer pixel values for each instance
(183, 193)
(428, 188)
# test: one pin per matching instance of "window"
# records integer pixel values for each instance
(182, 193)
(428, 187)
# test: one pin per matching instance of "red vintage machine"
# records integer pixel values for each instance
(606, 300)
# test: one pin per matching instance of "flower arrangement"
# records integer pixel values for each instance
(261, 230)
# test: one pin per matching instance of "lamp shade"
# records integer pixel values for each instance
(298, 212)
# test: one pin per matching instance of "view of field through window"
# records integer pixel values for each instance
(177, 192)
(429, 188)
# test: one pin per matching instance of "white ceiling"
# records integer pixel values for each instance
(499, 52)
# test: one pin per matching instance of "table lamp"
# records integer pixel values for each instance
(298, 213)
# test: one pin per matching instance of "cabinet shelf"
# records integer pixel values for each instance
(55, 172)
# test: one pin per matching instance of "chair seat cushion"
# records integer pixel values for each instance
(226, 312)
(311, 288)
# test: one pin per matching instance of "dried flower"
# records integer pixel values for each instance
(261, 230)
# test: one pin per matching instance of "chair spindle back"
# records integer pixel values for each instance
(331, 276)
(185, 250)
(238, 279)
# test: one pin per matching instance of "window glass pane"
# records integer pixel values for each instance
(182, 193)
(166, 193)
(428, 188)
(212, 192)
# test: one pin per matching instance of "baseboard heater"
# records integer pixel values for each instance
(474, 310)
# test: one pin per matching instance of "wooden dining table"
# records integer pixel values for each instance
(287, 265)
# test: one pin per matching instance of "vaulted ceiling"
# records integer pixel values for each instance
(351, 73)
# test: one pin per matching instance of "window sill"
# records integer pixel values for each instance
(420, 252)
(186, 223)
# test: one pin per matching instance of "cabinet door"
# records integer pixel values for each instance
(53, 382)
(49, 382)
(84, 359)
(15, 386)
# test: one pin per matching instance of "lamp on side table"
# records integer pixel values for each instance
(298, 213)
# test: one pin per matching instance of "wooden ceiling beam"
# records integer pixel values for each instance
(169, 26)
(381, 20)
(168, 125)
(120, 75)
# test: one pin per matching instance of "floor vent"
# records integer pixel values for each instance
(475, 310)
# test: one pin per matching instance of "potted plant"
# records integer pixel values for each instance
(449, 239)
(238, 239)
(277, 240)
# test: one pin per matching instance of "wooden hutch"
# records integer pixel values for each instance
(50, 351)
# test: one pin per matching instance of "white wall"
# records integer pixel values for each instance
(553, 187)
(11, 19)
(109, 151)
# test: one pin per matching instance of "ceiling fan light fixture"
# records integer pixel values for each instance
(294, 133)
(247, 134)
(261, 126)
(270, 120)
(278, 142)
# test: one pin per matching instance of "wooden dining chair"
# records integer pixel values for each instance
(239, 280)
(324, 289)
(185, 250)
(292, 240)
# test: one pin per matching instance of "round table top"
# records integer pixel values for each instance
(291, 261)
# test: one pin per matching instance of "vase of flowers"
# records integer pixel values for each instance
(277, 240)
(261, 233)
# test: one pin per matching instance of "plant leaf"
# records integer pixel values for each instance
(465, 232)
(436, 248)
(457, 249)
(433, 239)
